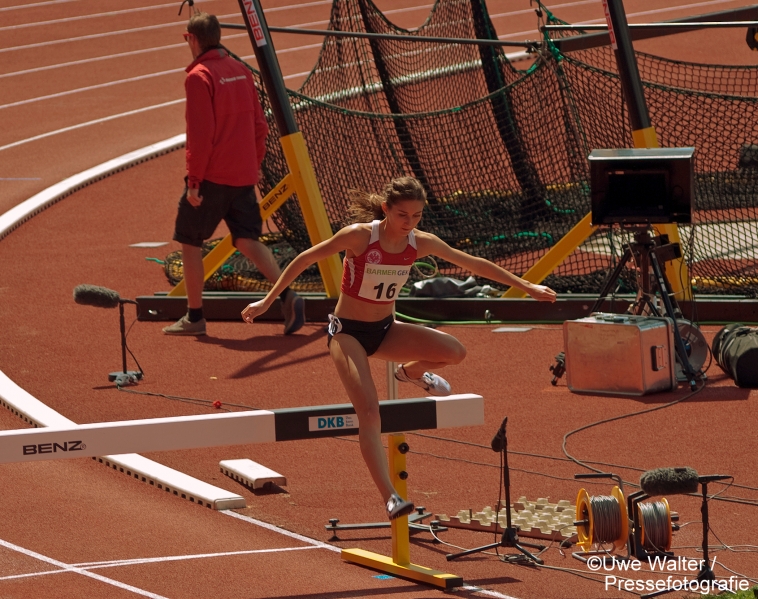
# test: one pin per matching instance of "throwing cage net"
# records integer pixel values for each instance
(502, 152)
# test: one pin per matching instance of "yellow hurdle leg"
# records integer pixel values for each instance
(399, 564)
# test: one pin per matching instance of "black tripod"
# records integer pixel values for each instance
(648, 254)
(510, 535)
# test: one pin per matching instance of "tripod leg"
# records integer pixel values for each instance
(678, 343)
(611, 280)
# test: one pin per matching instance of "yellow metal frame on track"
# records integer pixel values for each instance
(400, 563)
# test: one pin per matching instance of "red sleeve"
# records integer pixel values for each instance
(201, 125)
(261, 128)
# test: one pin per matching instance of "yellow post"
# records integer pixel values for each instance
(214, 259)
(557, 254)
(401, 551)
(312, 205)
(400, 563)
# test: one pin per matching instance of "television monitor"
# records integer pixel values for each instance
(642, 185)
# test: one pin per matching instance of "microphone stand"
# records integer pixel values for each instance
(706, 572)
(509, 537)
(125, 377)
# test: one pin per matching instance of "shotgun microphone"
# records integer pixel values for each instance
(100, 297)
(669, 481)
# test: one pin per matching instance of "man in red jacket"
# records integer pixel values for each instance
(226, 142)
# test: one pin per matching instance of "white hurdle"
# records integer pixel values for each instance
(237, 428)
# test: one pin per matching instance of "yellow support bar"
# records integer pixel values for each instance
(676, 270)
(312, 205)
(214, 259)
(401, 546)
(380, 562)
(557, 254)
(400, 563)
(645, 138)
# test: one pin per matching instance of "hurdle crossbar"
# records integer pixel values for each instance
(236, 428)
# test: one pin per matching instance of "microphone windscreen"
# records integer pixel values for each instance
(92, 295)
(669, 481)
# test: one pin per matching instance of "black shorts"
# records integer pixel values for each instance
(237, 206)
(369, 334)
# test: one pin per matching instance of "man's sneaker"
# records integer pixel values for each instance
(184, 327)
(294, 313)
(397, 506)
(433, 383)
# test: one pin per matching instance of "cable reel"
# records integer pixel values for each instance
(601, 520)
(655, 525)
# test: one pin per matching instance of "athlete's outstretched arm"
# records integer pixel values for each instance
(431, 244)
(347, 238)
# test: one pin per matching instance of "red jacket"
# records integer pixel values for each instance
(226, 128)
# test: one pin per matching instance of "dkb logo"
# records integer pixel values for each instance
(325, 423)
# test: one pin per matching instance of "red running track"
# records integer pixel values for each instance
(79, 529)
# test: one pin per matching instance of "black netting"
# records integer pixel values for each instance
(503, 152)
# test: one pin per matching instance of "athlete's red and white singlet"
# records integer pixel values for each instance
(377, 276)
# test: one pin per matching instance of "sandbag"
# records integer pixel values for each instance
(735, 349)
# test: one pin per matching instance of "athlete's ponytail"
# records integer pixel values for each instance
(365, 207)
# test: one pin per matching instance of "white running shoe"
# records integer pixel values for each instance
(397, 506)
(433, 383)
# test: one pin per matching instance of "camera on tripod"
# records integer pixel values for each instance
(642, 186)
(637, 188)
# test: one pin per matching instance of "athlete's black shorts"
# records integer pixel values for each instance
(369, 334)
(237, 206)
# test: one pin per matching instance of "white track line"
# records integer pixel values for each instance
(83, 17)
(153, 560)
(75, 570)
(73, 63)
(286, 533)
(89, 123)
(92, 87)
(106, 34)
(177, 558)
(36, 4)
(299, 48)
(473, 589)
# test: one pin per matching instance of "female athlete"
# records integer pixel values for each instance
(380, 248)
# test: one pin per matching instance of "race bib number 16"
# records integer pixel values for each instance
(382, 283)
